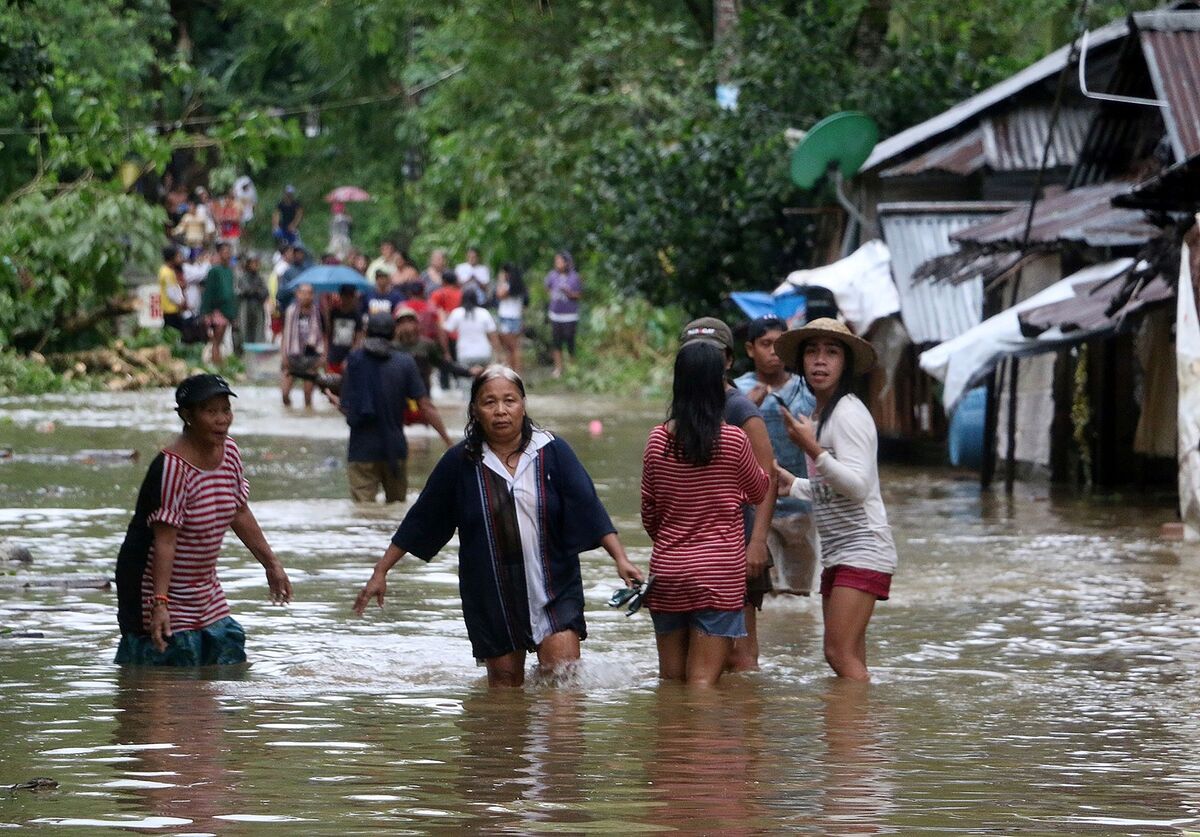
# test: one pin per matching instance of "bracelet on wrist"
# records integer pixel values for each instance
(160, 599)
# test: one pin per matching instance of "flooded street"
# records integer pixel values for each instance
(1035, 670)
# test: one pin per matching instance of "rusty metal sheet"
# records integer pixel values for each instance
(1171, 43)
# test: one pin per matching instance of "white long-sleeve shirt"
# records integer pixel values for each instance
(843, 487)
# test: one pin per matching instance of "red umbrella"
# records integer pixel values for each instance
(347, 194)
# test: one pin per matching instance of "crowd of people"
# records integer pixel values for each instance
(466, 318)
(744, 487)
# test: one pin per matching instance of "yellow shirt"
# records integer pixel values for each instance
(168, 283)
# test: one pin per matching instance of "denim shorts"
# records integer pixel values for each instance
(511, 325)
(726, 623)
(221, 643)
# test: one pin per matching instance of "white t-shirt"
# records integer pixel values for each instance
(473, 330)
(510, 308)
(467, 271)
(843, 486)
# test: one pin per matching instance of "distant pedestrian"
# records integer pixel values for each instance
(566, 289)
(303, 344)
(474, 275)
(406, 272)
(431, 277)
(170, 605)
(219, 303)
(428, 354)
(377, 385)
(383, 298)
(344, 325)
(512, 296)
(171, 297)
(285, 220)
(476, 332)
(697, 473)
(253, 295)
(841, 444)
(227, 213)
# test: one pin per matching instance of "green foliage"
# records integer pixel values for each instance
(67, 255)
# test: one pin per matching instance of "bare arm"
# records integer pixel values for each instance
(160, 572)
(245, 526)
(625, 568)
(376, 586)
(756, 551)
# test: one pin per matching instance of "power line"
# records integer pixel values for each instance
(276, 112)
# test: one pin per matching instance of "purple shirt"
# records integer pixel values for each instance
(563, 309)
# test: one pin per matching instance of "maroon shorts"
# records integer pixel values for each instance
(869, 581)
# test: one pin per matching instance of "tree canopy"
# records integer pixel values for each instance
(520, 126)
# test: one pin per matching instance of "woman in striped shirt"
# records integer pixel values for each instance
(170, 606)
(697, 473)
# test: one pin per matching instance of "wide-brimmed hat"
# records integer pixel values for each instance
(789, 343)
(708, 330)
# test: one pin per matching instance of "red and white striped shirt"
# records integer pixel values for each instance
(694, 516)
(200, 505)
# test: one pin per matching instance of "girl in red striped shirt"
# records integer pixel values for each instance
(697, 473)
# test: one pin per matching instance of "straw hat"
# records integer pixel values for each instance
(862, 352)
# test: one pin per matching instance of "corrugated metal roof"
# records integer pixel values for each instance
(1171, 43)
(932, 312)
(1014, 139)
(967, 109)
(1085, 214)
(1097, 307)
(961, 155)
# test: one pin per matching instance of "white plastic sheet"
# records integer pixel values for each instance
(1187, 365)
(963, 362)
(861, 285)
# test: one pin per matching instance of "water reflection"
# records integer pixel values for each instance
(857, 788)
(191, 775)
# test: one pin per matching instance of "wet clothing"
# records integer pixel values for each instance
(221, 643)
(376, 387)
(843, 486)
(798, 400)
(344, 329)
(791, 540)
(218, 294)
(199, 505)
(725, 623)
(519, 540)
(693, 513)
(877, 584)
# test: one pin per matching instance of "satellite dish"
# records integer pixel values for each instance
(844, 140)
(838, 145)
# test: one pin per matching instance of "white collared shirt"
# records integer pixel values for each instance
(524, 488)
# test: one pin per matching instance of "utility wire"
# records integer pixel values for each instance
(198, 121)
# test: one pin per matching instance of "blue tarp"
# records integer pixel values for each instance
(790, 306)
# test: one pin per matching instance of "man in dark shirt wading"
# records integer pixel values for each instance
(376, 387)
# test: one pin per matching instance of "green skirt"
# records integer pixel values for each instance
(221, 643)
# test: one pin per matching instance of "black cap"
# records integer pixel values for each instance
(199, 388)
(381, 324)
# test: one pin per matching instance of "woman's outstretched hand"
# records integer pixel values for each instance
(375, 589)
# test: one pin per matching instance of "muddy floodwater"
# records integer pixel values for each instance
(1035, 670)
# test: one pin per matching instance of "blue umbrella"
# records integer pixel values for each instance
(787, 306)
(324, 278)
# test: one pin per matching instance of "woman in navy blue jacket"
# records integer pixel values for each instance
(524, 508)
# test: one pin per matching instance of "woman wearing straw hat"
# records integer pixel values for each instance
(840, 443)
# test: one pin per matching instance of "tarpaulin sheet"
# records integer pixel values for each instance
(1187, 365)
(861, 284)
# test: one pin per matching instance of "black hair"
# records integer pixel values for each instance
(761, 325)
(847, 383)
(470, 301)
(516, 282)
(473, 433)
(382, 273)
(697, 403)
(169, 253)
(346, 289)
